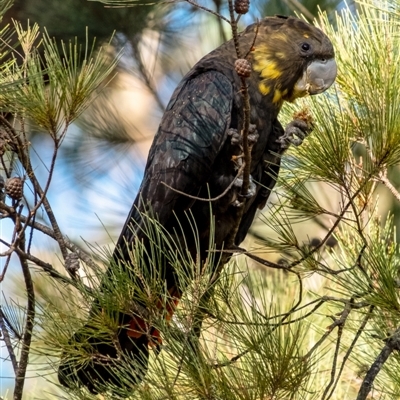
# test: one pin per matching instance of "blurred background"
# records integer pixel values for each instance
(102, 159)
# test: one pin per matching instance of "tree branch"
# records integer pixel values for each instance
(220, 16)
(28, 329)
(393, 343)
(385, 180)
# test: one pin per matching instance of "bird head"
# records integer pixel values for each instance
(293, 58)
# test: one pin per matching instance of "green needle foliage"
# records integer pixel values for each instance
(54, 103)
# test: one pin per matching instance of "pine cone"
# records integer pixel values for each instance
(15, 188)
(243, 67)
(242, 6)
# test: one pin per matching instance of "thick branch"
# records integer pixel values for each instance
(393, 343)
(28, 329)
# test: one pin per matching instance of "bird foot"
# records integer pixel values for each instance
(295, 132)
(237, 138)
(250, 192)
(253, 135)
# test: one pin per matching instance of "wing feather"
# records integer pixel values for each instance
(190, 137)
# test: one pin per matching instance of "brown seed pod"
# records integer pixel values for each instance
(242, 6)
(243, 67)
(15, 188)
(305, 115)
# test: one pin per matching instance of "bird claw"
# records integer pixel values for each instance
(253, 135)
(251, 190)
(239, 197)
(295, 132)
(237, 138)
(237, 203)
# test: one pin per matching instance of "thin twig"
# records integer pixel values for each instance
(7, 341)
(356, 214)
(340, 324)
(48, 268)
(299, 300)
(385, 180)
(233, 23)
(254, 39)
(35, 200)
(357, 263)
(5, 169)
(11, 248)
(229, 187)
(220, 16)
(247, 323)
(82, 254)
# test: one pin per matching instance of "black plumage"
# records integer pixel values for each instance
(195, 151)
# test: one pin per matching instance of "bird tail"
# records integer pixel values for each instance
(94, 359)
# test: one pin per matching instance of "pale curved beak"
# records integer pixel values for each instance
(320, 75)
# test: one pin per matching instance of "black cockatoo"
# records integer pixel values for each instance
(195, 152)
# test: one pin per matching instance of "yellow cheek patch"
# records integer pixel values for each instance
(306, 35)
(271, 71)
(268, 69)
(264, 88)
(277, 96)
(260, 63)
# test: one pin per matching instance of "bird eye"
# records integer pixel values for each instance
(305, 46)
